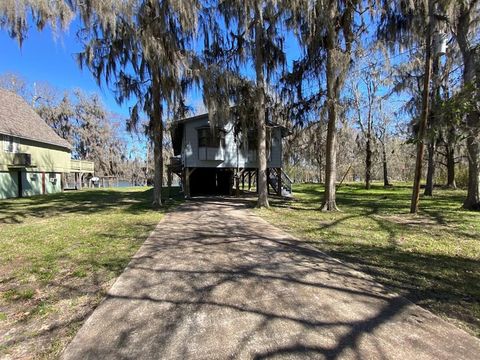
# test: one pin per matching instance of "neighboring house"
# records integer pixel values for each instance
(215, 160)
(33, 158)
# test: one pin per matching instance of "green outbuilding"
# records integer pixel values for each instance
(33, 158)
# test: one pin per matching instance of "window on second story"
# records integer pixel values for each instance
(211, 144)
(209, 138)
(252, 144)
(10, 144)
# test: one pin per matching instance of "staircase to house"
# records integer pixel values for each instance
(285, 189)
(175, 165)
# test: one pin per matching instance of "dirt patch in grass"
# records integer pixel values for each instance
(59, 254)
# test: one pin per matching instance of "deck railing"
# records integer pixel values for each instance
(81, 166)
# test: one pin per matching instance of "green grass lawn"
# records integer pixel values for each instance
(432, 258)
(58, 255)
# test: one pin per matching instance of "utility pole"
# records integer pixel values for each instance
(425, 111)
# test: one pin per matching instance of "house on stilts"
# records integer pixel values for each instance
(222, 160)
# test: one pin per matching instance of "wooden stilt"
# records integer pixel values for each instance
(279, 181)
(237, 183)
(187, 183)
(169, 182)
(249, 180)
(188, 173)
(268, 181)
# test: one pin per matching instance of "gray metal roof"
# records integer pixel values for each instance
(19, 119)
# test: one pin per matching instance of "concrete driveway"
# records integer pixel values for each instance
(214, 281)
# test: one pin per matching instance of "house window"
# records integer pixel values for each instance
(252, 145)
(211, 144)
(10, 144)
(207, 138)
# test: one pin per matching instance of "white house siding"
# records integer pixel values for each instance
(8, 184)
(233, 156)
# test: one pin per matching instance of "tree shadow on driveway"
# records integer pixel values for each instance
(215, 281)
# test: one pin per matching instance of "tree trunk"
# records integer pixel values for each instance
(431, 122)
(261, 126)
(329, 197)
(157, 136)
(368, 160)
(472, 202)
(430, 169)
(451, 183)
(320, 168)
(471, 74)
(386, 183)
(425, 111)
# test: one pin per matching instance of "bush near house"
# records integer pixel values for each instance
(59, 254)
(432, 258)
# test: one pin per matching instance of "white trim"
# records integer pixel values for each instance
(10, 144)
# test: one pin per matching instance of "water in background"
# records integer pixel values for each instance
(123, 183)
(116, 183)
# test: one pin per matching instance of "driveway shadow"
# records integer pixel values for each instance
(216, 282)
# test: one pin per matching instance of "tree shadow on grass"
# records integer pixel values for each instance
(449, 285)
(446, 284)
(16, 211)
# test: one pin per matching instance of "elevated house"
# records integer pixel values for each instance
(33, 158)
(217, 160)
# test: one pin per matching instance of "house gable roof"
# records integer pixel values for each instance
(19, 119)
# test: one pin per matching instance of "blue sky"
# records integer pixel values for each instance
(44, 58)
